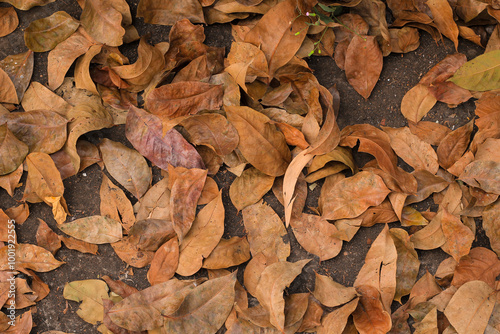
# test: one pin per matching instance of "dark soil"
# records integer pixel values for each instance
(400, 73)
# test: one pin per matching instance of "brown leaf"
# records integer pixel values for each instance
(156, 202)
(431, 236)
(8, 91)
(246, 62)
(260, 143)
(10, 181)
(115, 204)
(23, 322)
(120, 288)
(377, 143)
(44, 34)
(44, 184)
(149, 62)
(427, 185)
(404, 40)
(205, 308)
(470, 307)
(481, 264)
(144, 131)
(40, 97)
(202, 238)
(228, 253)
(94, 229)
(9, 19)
(47, 238)
(183, 98)
(169, 12)
(27, 4)
(331, 293)
(144, 310)
(118, 159)
(266, 232)
(276, 32)
(379, 270)
(336, 321)
(64, 54)
(270, 288)
(459, 237)
(29, 256)
(13, 151)
(490, 218)
(453, 146)
(443, 18)
(487, 104)
(19, 68)
(103, 20)
(293, 136)
(150, 234)
(352, 196)
(249, 187)
(407, 263)
(363, 64)
(79, 245)
(209, 192)
(417, 102)
(482, 174)
(42, 130)
(429, 132)
(185, 186)
(83, 80)
(412, 150)
(212, 130)
(164, 262)
(370, 316)
(131, 255)
(316, 235)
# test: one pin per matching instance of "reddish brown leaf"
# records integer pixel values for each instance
(185, 186)
(363, 64)
(9, 19)
(482, 174)
(183, 98)
(443, 18)
(369, 316)
(169, 12)
(481, 264)
(79, 245)
(453, 146)
(164, 262)
(249, 187)
(352, 196)
(103, 20)
(317, 236)
(417, 102)
(260, 143)
(144, 131)
(47, 238)
(459, 237)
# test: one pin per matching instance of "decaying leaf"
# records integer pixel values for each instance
(202, 238)
(266, 232)
(117, 159)
(9, 19)
(91, 293)
(205, 308)
(94, 229)
(164, 263)
(30, 257)
(44, 34)
(228, 253)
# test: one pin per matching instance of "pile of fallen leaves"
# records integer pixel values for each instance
(261, 112)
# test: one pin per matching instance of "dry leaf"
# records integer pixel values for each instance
(164, 263)
(115, 205)
(269, 292)
(331, 293)
(29, 256)
(249, 187)
(481, 264)
(260, 143)
(47, 238)
(91, 293)
(316, 235)
(470, 307)
(185, 186)
(44, 34)
(9, 19)
(166, 12)
(118, 158)
(228, 253)
(352, 196)
(94, 229)
(102, 19)
(202, 238)
(266, 232)
(370, 316)
(335, 322)
(144, 131)
(205, 308)
(363, 64)
(13, 151)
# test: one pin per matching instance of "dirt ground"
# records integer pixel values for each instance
(400, 73)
